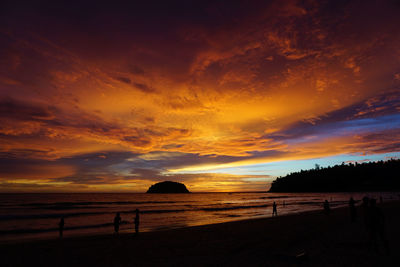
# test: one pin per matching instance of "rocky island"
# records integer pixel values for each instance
(168, 187)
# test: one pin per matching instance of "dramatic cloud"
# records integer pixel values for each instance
(112, 97)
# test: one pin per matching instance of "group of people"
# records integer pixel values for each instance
(117, 222)
(374, 219)
(327, 208)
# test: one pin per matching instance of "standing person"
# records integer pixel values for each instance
(376, 226)
(353, 210)
(364, 206)
(61, 226)
(117, 222)
(137, 222)
(327, 208)
(274, 210)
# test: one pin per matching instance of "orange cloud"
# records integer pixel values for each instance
(249, 83)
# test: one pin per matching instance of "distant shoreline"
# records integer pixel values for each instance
(273, 241)
(238, 192)
(125, 233)
(369, 176)
(23, 223)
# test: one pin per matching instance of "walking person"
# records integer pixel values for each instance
(137, 221)
(353, 210)
(274, 209)
(117, 222)
(376, 227)
(61, 226)
(365, 209)
(327, 208)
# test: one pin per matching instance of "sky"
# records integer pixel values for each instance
(219, 95)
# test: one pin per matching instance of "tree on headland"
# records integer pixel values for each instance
(351, 177)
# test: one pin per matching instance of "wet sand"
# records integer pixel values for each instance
(326, 241)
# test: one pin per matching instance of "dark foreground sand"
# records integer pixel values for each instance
(327, 240)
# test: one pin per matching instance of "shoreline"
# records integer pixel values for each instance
(125, 232)
(325, 240)
(81, 230)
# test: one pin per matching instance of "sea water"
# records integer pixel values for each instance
(36, 216)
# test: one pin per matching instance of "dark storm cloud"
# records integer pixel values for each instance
(98, 159)
(143, 87)
(85, 169)
(151, 174)
(164, 160)
(381, 142)
(106, 167)
(155, 165)
(380, 111)
(124, 79)
(17, 110)
(135, 69)
(23, 153)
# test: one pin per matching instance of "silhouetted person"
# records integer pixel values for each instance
(284, 204)
(381, 199)
(365, 202)
(274, 210)
(353, 210)
(327, 208)
(117, 222)
(376, 226)
(364, 208)
(137, 221)
(61, 226)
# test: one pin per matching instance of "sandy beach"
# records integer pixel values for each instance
(315, 238)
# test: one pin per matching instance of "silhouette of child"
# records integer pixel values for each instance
(117, 221)
(61, 226)
(327, 208)
(137, 222)
(274, 210)
(353, 210)
(365, 207)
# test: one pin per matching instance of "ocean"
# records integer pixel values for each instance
(36, 216)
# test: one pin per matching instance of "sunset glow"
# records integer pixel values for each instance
(222, 97)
